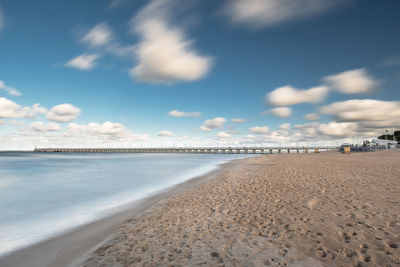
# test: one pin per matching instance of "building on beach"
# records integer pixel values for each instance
(385, 144)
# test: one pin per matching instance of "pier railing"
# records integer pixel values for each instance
(192, 150)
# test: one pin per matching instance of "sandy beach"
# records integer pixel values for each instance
(322, 209)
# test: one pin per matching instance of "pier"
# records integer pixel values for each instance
(192, 150)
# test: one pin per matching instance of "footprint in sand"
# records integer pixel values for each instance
(346, 237)
(366, 258)
(321, 253)
(364, 248)
(393, 245)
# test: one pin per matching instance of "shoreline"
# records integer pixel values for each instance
(68, 248)
(325, 209)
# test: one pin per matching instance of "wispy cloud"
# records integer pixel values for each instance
(287, 95)
(281, 112)
(285, 126)
(223, 135)
(259, 130)
(164, 54)
(177, 113)
(393, 61)
(99, 35)
(312, 116)
(238, 120)
(116, 3)
(165, 133)
(9, 89)
(102, 40)
(351, 82)
(215, 123)
(264, 13)
(40, 126)
(83, 62)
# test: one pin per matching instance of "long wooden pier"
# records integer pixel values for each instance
(192, 150)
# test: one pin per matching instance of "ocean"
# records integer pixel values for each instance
(43, 195)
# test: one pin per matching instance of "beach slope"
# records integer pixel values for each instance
(324, 209)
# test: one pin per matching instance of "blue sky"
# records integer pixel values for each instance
(110, 72)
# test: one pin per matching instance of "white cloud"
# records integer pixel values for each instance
(107, 127)
(2, 122)
(348, 82)
(260, 130)
(83, 62)
(300, 135)
(165, 133)
(10, 109)
(287, 95)
(213, 124)
(312, 116)
(99, 35)
(285, 126)
(204, 128)
(164, 54)
(307, 129)
(262, 13)
(364, 110)
(9, 89)
(92, 135)
(361, 117)
(63, 113)
(105, 131)
(39, 126)
(177, 113)
(334, 130)
(238, 120)
(339, 129)
(36, 108)
(77, 128)
(223, 135)
(281, 112)
(351, 82)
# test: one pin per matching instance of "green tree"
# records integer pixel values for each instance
(386, 137)
(397, 135)
(394, 136)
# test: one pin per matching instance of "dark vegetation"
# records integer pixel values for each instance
(394, 136)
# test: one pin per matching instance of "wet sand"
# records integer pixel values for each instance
(70, 248)
(322, 209)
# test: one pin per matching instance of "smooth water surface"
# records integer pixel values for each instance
(42, 195)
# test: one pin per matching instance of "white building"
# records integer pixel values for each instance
(384, 143)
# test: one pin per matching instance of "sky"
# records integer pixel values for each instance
(136, 73)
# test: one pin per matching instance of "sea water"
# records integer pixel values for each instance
(43, 195)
